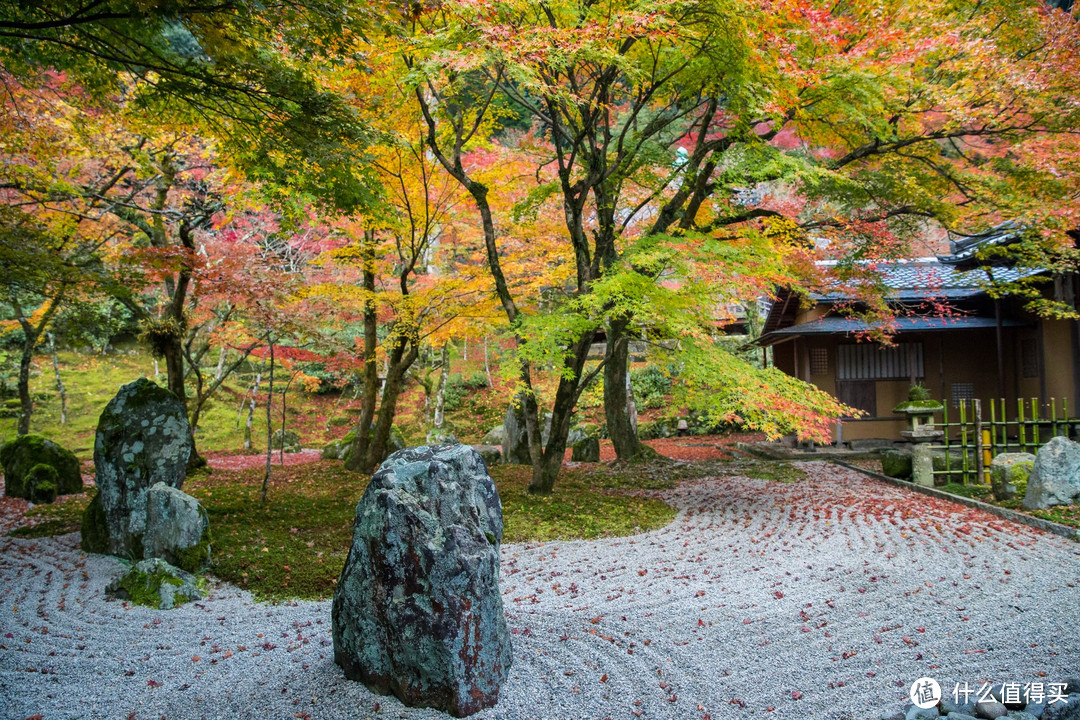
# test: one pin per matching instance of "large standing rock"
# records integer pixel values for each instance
(515, 440)
(1055, 477)
(1007, 470)
(417, 611)
(177, 529)
(25, 452)
(143, 438)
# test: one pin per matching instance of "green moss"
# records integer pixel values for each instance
(977, 492)
(143, 588)
(918, 405)
(20, 456)
(775, 471)
(95, 531)
(197, 557)
(41, 483)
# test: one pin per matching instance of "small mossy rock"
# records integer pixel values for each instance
(417, 610)
(441, 436)
(177, 529)
(492, 454)
(41, 483)
(341, 449)
(1009, 471)
(143, 438)
(896, 463)
(155, 583)
(494, 436)
(1055, 475)
(586, 450)
(288, 438)
(25, 452)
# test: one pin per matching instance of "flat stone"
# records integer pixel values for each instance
(417, 610)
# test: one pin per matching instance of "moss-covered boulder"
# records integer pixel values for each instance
(95, 529)
(1009, 474)
(286, 440)
(25, 452)
(143, 438)
(896, 463)
(155, 583)
(41, 483)
(177, 529)
(587, 450)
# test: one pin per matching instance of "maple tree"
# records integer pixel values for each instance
(824, 130)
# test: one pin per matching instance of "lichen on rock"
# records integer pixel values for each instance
(143, 438)
(417, 610)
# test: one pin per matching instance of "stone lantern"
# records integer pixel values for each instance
(919, 409)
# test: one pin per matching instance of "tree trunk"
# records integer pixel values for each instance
(59, 382)
(26, 402)
(251, 411)
(370, 386)
(222, 356)
(621, 428)
(387, 408)
(269, 426)
(546, 467)
(440, 393)
(487, 367)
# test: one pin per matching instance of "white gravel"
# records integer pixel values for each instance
(819, 599)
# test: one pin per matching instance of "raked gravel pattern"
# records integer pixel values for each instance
(819, 599)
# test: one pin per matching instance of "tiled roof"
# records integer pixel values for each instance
(929, 277)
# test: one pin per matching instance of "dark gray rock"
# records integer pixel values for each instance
(1007, 471)
(960, 716)
(286, 438)
(918, 713)
(1068, 710)
(26, 452)
(1072, 685)
(896, 463)
(1020, 715)
(587, 450)
(990, 709)
(155, 583)
(515, 444)
(177, 529)
(949, 705)
(1036, 709)
(896, 715)
(143, 438)
(417, 610)
(1055, 477)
